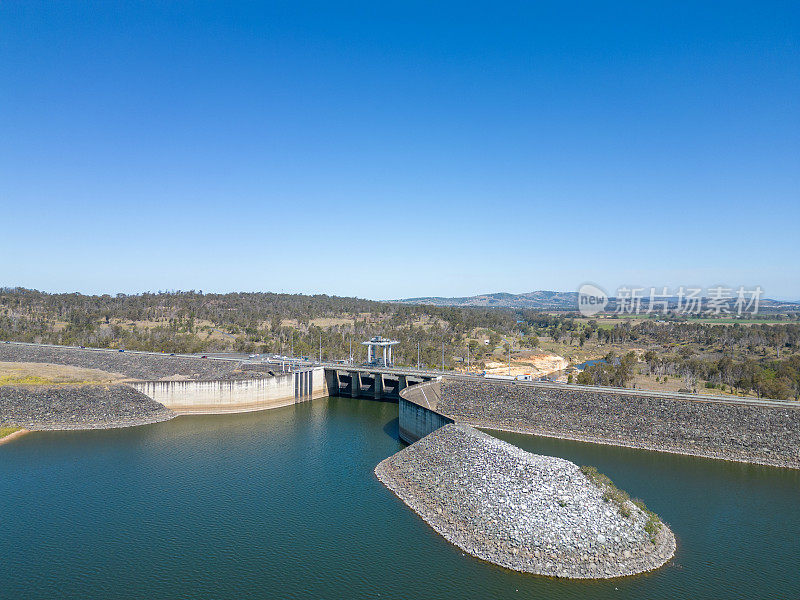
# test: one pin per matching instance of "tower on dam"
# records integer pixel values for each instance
(372, 351)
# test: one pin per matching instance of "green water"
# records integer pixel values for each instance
(284, 504)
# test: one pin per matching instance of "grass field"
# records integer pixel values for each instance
(674, 384)
(608, 321)
(6, 431)
(750, 321)
(22, 373)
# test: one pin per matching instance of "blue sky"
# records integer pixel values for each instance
(399, 149)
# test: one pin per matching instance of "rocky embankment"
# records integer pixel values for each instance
(523, 511)
(129, 365)
(78, 407)
(742, 432)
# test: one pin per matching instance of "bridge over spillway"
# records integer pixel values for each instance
(377, 383)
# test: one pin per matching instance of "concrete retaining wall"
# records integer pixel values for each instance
(417, 417)
(224, 396)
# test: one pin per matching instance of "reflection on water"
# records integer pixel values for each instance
(284, 504)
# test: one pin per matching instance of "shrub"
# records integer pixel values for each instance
(653, 524)
(611, 493)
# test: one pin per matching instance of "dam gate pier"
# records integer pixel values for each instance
(370, 382)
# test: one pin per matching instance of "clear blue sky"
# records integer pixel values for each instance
(399, 149)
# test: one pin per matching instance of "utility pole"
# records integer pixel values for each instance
(418, 355)
(351, 349)
(467, 358)
(320, 347)
(443, 354)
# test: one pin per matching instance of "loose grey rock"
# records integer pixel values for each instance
(78, 407)
(471, 487)
(130, 364)
(741, 432)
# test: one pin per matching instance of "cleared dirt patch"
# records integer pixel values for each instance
(536, 364)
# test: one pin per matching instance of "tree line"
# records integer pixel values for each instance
(196, 322)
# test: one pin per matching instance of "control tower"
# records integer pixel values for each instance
(372, 347)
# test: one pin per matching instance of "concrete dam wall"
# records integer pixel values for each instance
(417, 416)
(237, 395)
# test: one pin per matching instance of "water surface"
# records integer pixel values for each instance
(284, 504)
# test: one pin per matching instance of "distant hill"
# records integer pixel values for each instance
(549, 300)
(541, 299)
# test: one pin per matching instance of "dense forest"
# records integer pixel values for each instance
(246, 322)
(757, 358)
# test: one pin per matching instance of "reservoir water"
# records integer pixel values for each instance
(284, 504)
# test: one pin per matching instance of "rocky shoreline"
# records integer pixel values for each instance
(744, 433)
(78, 407)
(623, 444)
(531, 513)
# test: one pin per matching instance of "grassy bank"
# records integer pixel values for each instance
(25, 373)
(6, 431)
(35, 380)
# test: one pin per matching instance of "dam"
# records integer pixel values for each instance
(746, 430)
(427, 402)
(283, 503)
